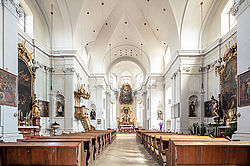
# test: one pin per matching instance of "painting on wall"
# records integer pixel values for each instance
(44, 108)
(208, 109)
(244, 89)
(159, 115)
(99, 121)
(8, 88)
(24, 87)
(229, 85)
(126, 94)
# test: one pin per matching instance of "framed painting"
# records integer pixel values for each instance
(8, 88)
(44, 108)
(99, 121)
(229, 85)
(244, 89)
(208, 109)
(25, 85)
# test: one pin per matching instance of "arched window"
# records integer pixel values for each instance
(113, 80)
(126, 80)
(228, 21)
(25, 22)
(139, 80)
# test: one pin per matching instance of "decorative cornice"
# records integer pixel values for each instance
(239, 7)
(69, 70)
(13, 7)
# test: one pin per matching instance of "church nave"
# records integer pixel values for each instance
(125, 151)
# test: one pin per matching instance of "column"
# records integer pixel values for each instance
(69, 100)
(10, 12)
(242, 11)
(144, 114)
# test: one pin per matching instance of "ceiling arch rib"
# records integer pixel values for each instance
(67, 23)
(130, 59)
(126, 51)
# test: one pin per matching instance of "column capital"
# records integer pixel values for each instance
(239, 7)
(13, 7)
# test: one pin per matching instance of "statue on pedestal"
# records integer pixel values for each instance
(192, 109)
(35, 109)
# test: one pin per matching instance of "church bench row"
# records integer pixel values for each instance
(209, 153)
(160, 146)
(157, 144)
(140, 134)
(100, 140)
(46, 153)
(91, 145)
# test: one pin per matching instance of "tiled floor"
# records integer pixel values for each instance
(125, 151)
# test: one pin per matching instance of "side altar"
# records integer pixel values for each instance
(126, 121)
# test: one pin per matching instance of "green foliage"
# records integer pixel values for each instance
(229, 132)
(197, 129)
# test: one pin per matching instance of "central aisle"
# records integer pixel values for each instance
(125, 151)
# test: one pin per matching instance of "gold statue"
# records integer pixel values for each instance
(35, 109)
(215, 106)
(82, 89)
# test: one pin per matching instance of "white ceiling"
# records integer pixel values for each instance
(157, 24)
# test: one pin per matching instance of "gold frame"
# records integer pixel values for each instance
(26, 58)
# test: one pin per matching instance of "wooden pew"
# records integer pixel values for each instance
(98, 140)
(46, 153)
(210, 153)
(158, 147)
(91, 149)
(86, 144)
(140, 134)
(166, 157)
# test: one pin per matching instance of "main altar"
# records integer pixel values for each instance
(126, 121)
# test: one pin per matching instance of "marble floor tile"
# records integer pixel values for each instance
(125, 151)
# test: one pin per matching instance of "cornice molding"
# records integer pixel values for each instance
(240, 7)
(13, 7)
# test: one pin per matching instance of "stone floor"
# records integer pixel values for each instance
(125, 151)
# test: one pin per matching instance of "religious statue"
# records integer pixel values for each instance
(60, 109)
(92, 115)
(82, 89)
(215, 108)
(192, 109)
(35, 109)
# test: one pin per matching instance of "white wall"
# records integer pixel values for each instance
(8, 61)
(243, 15)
